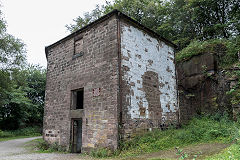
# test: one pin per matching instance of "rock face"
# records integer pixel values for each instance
(202, 86)
(106, 81)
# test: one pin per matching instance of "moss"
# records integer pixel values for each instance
(234, 92)
(226, 50)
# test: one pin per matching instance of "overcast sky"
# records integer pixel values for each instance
(40, 23)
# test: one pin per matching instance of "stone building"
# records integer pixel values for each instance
(107, 81)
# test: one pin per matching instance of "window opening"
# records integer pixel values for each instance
(77, 99)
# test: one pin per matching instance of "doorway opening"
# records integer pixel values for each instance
(76, 135)
(77, 99)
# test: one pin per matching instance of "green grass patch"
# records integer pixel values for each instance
(230, 153)
(202, 129)
(199, 130)
(21, 133)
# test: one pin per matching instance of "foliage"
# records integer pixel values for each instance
(88, 18)
(25, 132)
(235, 91)
(12, 51)
(22, 97)
(36, 81)
(230, 153)
(21, 86)
(184, 155)
(226, 50)
(45, 147)
(217, 128)
(102, 153)
(178, 20)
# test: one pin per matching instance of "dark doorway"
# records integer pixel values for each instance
(76, 135)
(77, 99)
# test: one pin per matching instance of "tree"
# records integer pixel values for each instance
(23, 98)
(89, 17)
(12, 51)
(180, 21)
(36, 82)
(22, 87)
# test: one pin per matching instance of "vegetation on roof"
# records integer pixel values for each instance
(226, 49)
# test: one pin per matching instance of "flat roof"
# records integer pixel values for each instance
(118, 14)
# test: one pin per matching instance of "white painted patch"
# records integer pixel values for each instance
(134, 43)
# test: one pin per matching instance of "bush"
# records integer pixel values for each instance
(43, 146)
(102, 153)
(5, 134)
(29, 131)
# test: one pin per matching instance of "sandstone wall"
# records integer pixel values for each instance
(96, 68)
(149, 81)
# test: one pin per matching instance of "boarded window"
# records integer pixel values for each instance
(77, 99)
(78, 46)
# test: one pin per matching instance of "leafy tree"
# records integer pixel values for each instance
(36, 82)
(12, 51)
(88, 18)
(22, 87)
(178, 20)
(23, 99)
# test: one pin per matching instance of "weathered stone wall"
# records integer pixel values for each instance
(97, 68)
(148, 81)
(202, 87)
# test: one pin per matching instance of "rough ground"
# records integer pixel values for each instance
(16, 150)
(201, 150)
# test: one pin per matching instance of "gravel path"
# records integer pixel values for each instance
(15, 150)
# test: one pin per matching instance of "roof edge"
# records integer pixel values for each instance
(113, 12)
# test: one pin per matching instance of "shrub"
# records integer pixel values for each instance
(101, 153)
(5, 134)
(43, 146)
(30, 131)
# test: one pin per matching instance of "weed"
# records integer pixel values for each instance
(202, 129)
(101, 153)
(182, 154)
(43, 146)
(230, 153)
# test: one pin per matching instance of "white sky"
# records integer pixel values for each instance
(40, 23)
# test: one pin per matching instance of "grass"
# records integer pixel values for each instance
(231, 153)
(205, 129)
(199, 130)
(21, 133)
(202, 129)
